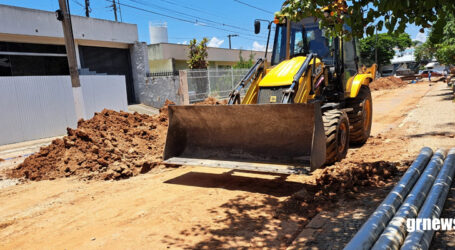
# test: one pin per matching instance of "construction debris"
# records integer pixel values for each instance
(110, 146)
(345, 178)
(389, 82)
(212, 101)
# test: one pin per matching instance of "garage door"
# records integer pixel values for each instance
(109, 61)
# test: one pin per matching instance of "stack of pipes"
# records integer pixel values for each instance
(420, 194)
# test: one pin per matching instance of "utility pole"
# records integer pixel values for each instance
(120, 10)
(229, 36)
(87, 8)
(64, 15)
(114, 6)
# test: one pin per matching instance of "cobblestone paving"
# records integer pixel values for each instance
(333, 229)
(446, 239)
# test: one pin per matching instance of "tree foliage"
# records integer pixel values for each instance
(197, 55)
(385, 45)
(365, 16)
(445, 49)
(440, 42)
(244, 64)
(424, 52)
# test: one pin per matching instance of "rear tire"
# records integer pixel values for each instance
(360, 113)
(336, 125)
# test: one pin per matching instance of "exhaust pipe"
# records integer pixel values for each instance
(394, 234)
(374, 226)
(432, 208)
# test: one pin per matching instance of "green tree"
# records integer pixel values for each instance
(244, 64)
(385, 45)
(197, 54)
(445, 49)
(445, 54)
(363, 15)
(441, 41)
(424, 52)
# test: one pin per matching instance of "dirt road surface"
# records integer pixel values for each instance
(190, 207)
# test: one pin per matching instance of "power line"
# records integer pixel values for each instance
(120, 10)
(194, 9)
(188, 7)
(182, 19)
(254, 7)
(191, 16)
(78, 3)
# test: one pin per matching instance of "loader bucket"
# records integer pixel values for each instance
(277, 138)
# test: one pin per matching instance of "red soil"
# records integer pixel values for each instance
(111, 145)
(389, 82)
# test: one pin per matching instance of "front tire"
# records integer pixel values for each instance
(360, 116)
(336, 125)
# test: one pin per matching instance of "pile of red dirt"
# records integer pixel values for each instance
(346, 177)
(389, 82)
(1, 160)
(110, 146)
(212, 101)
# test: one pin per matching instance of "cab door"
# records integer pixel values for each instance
(350, 59)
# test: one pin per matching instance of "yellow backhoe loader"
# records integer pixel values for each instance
(301, 110)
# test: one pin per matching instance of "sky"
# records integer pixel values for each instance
(188, 19)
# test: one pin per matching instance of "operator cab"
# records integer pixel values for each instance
(338, 55)
(305, 38)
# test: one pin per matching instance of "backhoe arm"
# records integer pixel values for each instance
(295, 82)
(234, 96)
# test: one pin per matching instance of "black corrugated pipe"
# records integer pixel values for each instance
(374, 226)
(432, 208)
(395, 232)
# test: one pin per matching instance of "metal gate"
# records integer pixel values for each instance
(110, 61)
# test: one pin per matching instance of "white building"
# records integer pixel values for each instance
(31, 43)
(36, 99)
(165, 57)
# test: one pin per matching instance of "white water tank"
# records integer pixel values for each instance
(158, 33)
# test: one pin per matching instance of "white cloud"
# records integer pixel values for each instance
(215, 42)
(421, 37)
(184, 42)
(257, 46)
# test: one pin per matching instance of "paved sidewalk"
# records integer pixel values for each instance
(143, 109)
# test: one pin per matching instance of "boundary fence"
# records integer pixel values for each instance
(212, 82)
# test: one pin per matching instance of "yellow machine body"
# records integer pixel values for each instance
(363, 78)
(282, 75)
(263, 132)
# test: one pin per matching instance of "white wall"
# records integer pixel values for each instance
(31, 22)
(103, 91)
(34, 107)
(180, 52)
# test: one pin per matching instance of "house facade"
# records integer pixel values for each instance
(32, 44)
(170, 57)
